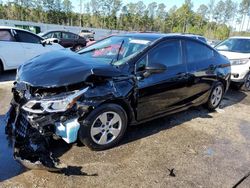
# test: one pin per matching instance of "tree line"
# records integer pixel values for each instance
(217, 19)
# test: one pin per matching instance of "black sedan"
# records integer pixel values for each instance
(66, 39)
(93, 95)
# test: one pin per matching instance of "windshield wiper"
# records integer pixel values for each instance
(118, 53)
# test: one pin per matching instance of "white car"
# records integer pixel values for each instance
(237, 50)
(18, 46)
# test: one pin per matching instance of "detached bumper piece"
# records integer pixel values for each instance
(31, 148)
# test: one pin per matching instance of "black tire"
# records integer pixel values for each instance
(246, 85)
(1, 67)
(211, 105)
(78, 47)
(93, 119)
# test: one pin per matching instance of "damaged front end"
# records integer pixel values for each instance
(39, 115)
(52, 96)
(34, 119)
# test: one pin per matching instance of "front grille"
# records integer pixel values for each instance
(22, 126)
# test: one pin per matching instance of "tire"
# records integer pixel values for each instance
(78, 47)
(1, 67)
(98, 132)
(215, 97)
(246, 85)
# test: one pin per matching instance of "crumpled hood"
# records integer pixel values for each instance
(235, 55)
(62, 68)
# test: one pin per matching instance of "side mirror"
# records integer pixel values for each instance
(154, 68)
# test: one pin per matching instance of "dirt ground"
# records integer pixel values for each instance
(204, 149)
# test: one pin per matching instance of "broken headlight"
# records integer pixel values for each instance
(239, 61)
(56, 104)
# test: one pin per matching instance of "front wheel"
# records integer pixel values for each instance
(215, 97)
(78, 47)
(104, 127)
(246, 85)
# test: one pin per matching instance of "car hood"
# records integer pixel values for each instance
(235, 55)
(62, 68)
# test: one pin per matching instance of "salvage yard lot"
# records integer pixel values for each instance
(204, 149)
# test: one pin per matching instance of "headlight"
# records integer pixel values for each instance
(239, 61)
(59, 104)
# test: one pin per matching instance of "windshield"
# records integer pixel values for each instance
(235, 45)
(116, 49)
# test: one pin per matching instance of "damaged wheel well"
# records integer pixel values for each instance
(129, 111)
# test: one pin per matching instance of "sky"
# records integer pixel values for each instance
(168, 3)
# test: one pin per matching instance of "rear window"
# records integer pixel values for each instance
(27, 37)
(197, 52)
(69, 36)
(6, 36)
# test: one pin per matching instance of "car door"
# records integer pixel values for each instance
(69, 39)
(11, 52)
(161, 92)
(201, 67)
(31, 44)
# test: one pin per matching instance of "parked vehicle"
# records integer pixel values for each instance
(18, 46)
(90, 35)
(66, 39)
(122, 80)
(237, 50)
(213, 43)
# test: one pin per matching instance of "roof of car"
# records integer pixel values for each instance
(16, 28)
(57, 30)
(157, 35)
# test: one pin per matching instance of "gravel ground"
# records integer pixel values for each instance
(204, 149)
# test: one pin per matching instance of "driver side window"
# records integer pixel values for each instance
(167, 53)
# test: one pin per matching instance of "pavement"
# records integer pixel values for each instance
(194, 148)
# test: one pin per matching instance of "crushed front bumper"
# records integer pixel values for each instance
(32, 134)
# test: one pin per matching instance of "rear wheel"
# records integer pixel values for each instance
(246, 85)
(78, 47)
(104, 127)
(215, 97)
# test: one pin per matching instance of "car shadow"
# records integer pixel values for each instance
(8, 76)
(233, 97)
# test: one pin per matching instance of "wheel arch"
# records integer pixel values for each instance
(225, 83)
(125, 105)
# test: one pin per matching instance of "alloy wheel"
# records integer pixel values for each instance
(216, 95)
(247, 82)
(106, 128)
